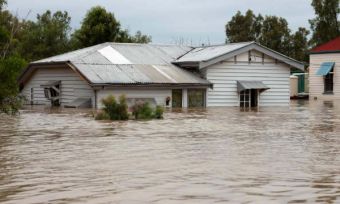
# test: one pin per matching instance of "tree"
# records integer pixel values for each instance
(46, 37)
(325, 25)
(125, 37)
(98, 26)
(9, 27)
(299, 41)
(244, 28)
(10, 68)
(275, 34)
(271, 31)
(2, 4)
(101, 26)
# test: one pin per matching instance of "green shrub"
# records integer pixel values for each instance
(114, 110)
(102, 116)
(159, 112)
(11, 104)
(123, 108)
(144, 111)
(119, 111)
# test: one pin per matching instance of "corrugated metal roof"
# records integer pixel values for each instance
(122, 63)
(143, 74)
(246, 85)
(135, 53)
(210, 52)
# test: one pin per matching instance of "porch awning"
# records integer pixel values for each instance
(246, 85)
(50, 84)
(325, 68)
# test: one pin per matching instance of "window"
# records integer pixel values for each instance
(245, 98)
(196, 98)
(328, 83)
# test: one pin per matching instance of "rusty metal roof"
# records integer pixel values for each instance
(126, 63)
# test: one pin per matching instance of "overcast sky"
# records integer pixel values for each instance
(196, 21)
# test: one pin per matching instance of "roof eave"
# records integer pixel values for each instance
(324, 52)
(163, 85)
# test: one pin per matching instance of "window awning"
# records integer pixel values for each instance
(246, 85)
(50, 84)
(325, 68)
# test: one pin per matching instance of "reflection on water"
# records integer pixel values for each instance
(218, 155)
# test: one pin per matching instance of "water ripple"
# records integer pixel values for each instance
(218, 155)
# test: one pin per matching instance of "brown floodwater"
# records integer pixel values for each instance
(217, 155)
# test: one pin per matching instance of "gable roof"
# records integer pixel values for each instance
(146, 64)
(332, 46)
(205, 56)
(127, 64)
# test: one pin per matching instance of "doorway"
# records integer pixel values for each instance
(254, 98)
(249, 98)
(177, 98)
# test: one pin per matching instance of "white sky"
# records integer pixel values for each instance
(196, 21)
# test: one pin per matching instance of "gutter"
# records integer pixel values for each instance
(154, 85)
(324, 52)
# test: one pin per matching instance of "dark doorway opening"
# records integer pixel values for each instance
(254, 101)
(177, 98)
(329, 83)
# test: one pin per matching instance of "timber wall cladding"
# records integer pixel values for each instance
(316, 83)
(72, 86)
(225, 75)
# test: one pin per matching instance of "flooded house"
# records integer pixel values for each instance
(240, 74)
(324, 77)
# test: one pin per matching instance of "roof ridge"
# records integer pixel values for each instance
(226, 44)
(150, 44)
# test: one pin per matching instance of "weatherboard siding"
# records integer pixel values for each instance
(316, 83)
(225, 75)
(72, 86)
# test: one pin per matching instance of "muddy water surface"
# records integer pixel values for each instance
(220, 155)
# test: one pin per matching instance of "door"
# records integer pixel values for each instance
(301, 83)
(177, 98)
(196, 98)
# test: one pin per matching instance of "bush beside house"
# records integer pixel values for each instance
(114, 110)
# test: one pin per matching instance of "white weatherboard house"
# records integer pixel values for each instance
(324, 66)
(240, 74)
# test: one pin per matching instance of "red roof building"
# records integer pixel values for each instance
(329, 47)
